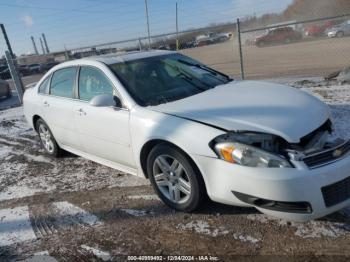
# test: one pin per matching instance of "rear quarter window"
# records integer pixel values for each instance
(44, 87)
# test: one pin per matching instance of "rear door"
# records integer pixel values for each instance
(103, 131)
(58, 106)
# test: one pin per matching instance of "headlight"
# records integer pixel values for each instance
(250, 156)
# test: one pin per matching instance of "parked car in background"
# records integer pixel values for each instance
(212, 38)
(318, 30)
(279, 35)
(23, 70)
(47, 66)
(340, 30)
(5, 74)
(35, 68)
(5, 90)
(194, 132)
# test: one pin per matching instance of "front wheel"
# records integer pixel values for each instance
(175, 179)
(47, 140)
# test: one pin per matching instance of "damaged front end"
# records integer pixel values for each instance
(253, 149)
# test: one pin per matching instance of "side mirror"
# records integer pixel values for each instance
(105, 100)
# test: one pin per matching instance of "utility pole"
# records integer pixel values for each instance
(148, 31)
(240, 48)
(177, 29)
(42, 46)
(7, 40)
(34, 46)
(45, 42)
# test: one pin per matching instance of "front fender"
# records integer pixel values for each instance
(192, 137)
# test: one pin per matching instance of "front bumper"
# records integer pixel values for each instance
(279, 184)
(332, 34)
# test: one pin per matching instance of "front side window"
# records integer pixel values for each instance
(44, 87)
(92, 82)
(166, 78)
(62, 82)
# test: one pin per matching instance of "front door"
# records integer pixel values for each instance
(103, 131)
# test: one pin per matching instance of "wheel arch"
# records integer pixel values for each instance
(149, 145)
(34, 120)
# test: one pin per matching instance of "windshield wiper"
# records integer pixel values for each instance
(189, 78)
(205, 68)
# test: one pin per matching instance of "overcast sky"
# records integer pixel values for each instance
(74, 23)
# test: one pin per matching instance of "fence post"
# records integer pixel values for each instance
(240, 48)
(15, 77)
(140, 44)
(7, 40)
(177, 30)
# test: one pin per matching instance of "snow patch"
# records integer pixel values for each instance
(42, 253)
(41, 159)
(136, 213)
(5, 151)
(13, 192)
(310, 229)
(41, 258)
(202, 227)
(260, 218)
(105, 256)
(15, 226)
(70, 211)
(144, 197)
(245, 238)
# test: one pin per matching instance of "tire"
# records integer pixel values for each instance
(9, 94)
(340, 34)
(261, 44)
(287, 40)
(178, 184)
(47, 139)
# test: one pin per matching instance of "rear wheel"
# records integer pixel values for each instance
(47, 140)
(288, 40)
(175, 179)
(340, 34)
(9, 94)
(261, 44)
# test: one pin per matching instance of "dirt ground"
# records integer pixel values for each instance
(71, 209)
(308, 58)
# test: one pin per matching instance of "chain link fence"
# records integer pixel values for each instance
(314, 47)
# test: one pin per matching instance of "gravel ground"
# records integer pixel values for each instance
(71, 209)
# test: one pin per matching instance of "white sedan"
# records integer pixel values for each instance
(195, 133)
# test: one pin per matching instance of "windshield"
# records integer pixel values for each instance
(166, 78)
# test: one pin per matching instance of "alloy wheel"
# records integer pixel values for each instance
(46, 138)
(172, 179)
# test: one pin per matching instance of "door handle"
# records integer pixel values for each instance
(81, 112)
(46, 104)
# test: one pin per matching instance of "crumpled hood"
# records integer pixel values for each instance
(253, 106)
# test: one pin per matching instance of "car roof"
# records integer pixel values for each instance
(126, 56)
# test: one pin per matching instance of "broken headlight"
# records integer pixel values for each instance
(235, 148)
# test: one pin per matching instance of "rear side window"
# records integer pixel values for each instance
(44, 87)
(62, 82)
(93, 82)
